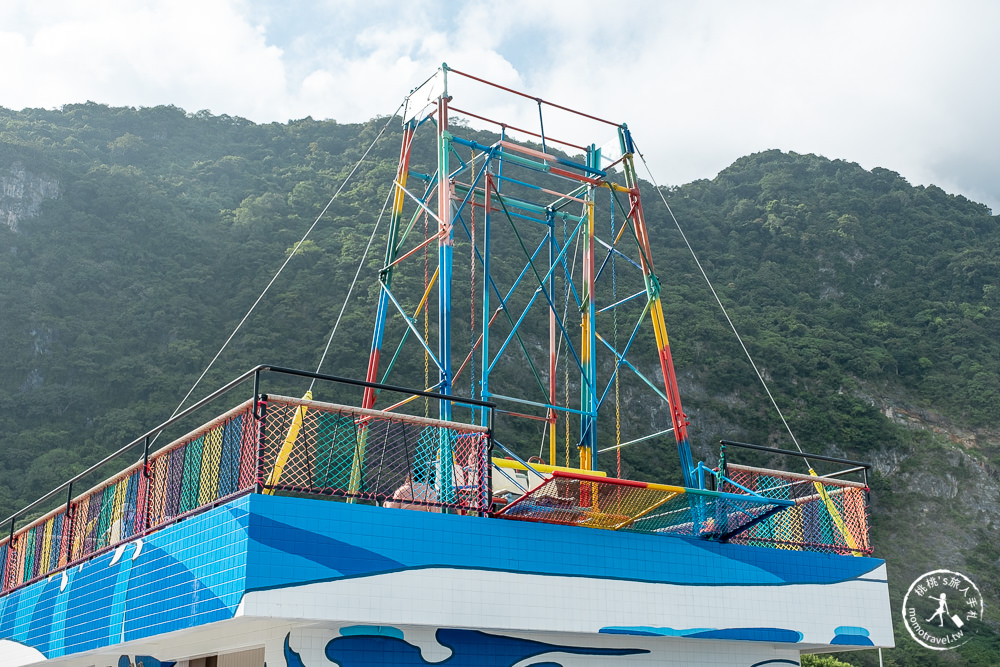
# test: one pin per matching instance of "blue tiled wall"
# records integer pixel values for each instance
(196, 571)
(327, 540)
(187, 574)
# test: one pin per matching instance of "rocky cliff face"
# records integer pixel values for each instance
(22, 193)
(962, 477)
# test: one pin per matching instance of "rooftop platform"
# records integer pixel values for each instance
(283, 520)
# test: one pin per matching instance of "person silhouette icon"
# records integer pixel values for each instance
(941, 610)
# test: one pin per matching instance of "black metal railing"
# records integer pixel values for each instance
(269, 444)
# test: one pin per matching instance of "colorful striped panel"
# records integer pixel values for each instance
(175, 481)
(394, 460)
(208, 483)
(229, 460)
(192, 475)
(815, 523)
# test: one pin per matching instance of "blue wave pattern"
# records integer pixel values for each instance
(848, 635)
(292, 658)
(382, 541)
(743, 634)
(470, 648)
(189, 574)
(144, 660)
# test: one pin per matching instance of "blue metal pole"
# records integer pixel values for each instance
(445, 463)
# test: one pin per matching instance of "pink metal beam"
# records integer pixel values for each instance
(536, 99)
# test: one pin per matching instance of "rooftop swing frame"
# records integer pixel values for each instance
(554, 229)
(574, 225)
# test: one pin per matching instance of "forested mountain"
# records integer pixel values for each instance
(133, 241)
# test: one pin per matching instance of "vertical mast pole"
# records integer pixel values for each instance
(551, 413)
(446, 240)
(484, 387)
(588, 379)
(677, 417)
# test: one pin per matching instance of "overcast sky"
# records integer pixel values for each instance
(909, 86)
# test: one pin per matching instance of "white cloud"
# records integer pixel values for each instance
(183, 52)
(907, 86)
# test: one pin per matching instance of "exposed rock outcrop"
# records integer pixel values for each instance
(22, 193)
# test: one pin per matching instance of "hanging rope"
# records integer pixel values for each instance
(718, 300)
(364, 256)
(568, 282)
(288, 259)
(820, 489)
(566, 412)
(427, 364)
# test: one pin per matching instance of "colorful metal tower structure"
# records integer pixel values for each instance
(555, 233)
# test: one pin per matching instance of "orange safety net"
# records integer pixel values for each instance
(617, 504)
(213, 463)
(376, 457)
(814, 523)
(371, 456)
